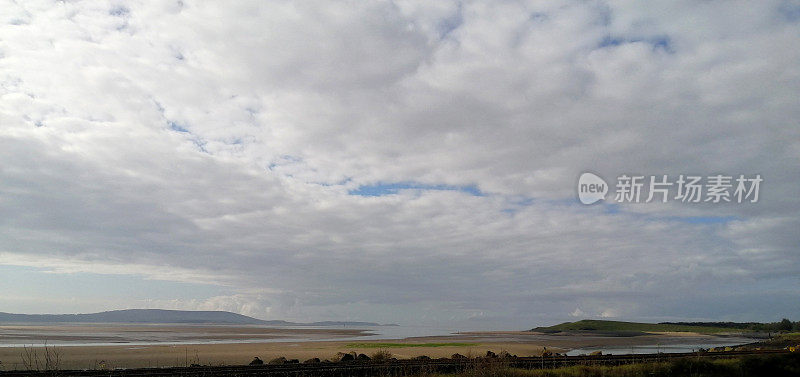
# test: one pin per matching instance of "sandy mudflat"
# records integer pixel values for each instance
(131, 356)
(80, 333)
(91, 357)
(123, 344)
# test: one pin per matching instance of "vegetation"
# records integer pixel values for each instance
(779, 341)
(619, 326)
(762, 365)
(407, 345)
(783, 325)
(34, 359)
(381, 355)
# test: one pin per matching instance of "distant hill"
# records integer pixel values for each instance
(619, 326)
(162, 316)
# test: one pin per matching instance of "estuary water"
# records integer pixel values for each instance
(170, 334)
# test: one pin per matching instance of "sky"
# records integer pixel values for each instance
(405, 161)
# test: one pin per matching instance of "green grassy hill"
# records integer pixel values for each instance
(614, 326)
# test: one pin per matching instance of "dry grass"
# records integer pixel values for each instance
(381, 355)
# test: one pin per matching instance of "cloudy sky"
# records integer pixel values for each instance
(397, 161)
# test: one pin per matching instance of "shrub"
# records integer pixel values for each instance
(381, 355)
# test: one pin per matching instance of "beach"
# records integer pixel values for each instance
(149, 346)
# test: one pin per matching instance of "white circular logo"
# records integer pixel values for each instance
(591, 188)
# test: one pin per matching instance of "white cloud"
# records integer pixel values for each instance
(195, 142)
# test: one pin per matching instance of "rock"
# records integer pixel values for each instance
(312, 361)
(422, 357)
(256, 361)
(458, 356)
(278, 361)
(362, 357)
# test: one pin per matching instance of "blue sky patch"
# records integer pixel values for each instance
(447, 25)
(177, 127)
(662, 42)
(382, 189)
(790, 12)
(704, 219)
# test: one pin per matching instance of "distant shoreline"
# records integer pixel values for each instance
(163, 316)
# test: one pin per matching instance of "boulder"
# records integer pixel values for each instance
(505, 355)
(345, 357)
(278, 361)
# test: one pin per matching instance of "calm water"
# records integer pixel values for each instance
(655, 348)
(135, 335)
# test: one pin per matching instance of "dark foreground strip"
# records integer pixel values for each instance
(387, 369)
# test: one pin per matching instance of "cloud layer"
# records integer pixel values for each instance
(227, 145)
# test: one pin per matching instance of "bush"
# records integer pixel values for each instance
(341, 356)
(381, 355)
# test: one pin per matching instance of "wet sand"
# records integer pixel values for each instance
(132, 356)
(95, 357)
(81, 333)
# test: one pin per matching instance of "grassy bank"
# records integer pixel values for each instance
(619, 326)
(779, 341)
